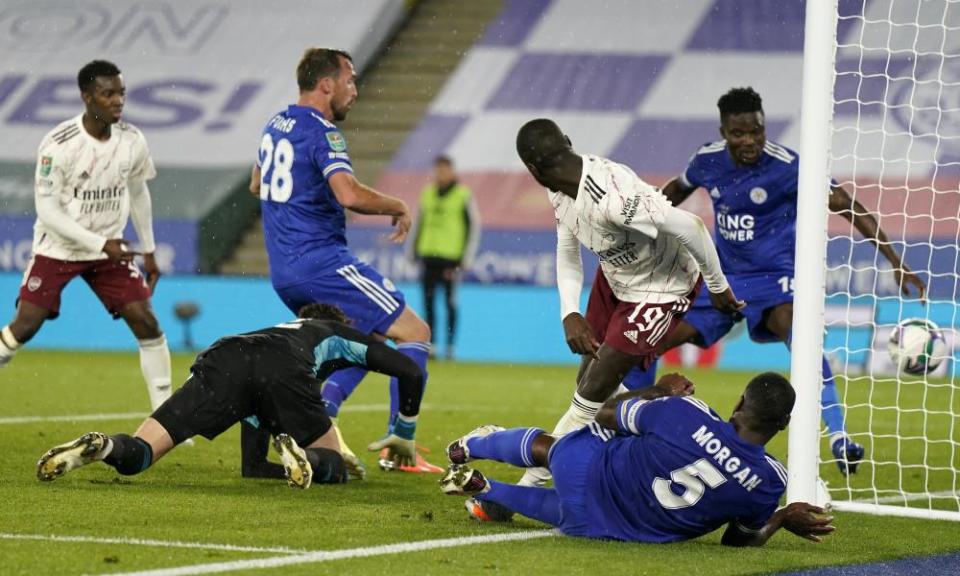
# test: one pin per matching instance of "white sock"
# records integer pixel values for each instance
(580, 413)
(8, 345)
(155, 366)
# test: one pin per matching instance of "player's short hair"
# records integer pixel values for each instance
(88, 75)
(769, 398)
(321, 311)
(317, 63)
(541, 143)
(443, 159)
(739, 101)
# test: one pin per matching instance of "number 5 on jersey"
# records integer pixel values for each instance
(276, 162)
(692, 478)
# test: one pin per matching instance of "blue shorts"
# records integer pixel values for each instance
(370, 300)
(761, 292)
(571, 463)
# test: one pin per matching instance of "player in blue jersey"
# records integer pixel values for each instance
(657, 465)
(753, 185)
(305, 182)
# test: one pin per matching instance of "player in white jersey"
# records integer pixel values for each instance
(652, 256)
(91, 176)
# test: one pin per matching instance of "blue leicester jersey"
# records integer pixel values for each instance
(677, 471)
(304, 224)
(755, 206)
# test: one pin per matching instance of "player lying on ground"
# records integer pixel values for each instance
(657, 465)
(752, 182)
(271, 375)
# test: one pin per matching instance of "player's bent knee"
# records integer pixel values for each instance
(28, 321)
(410, 328)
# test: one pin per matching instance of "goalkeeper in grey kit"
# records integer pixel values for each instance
(272, 375)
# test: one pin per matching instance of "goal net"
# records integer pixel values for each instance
(894, 144)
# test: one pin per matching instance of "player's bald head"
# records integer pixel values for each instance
(542, 144)
(768, 401)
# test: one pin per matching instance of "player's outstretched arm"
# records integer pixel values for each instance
(845, 205)
(410, 379)
(362, 199)
(804, 520)
(691, 232)
(617, 414)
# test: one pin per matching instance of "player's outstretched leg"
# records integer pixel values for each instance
(25, 324)
(297, 468)
(847, 452)
(8, 345)
(522, 447)
(462, 480)
(128, 455)
(78, 452)
(541, 504)
(457, 451)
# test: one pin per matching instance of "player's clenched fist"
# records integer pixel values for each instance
(579, 335)
(116, 249)
(676, 385)
(401, 226)
(726, 301)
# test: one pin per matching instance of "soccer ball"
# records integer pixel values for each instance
(917, 346)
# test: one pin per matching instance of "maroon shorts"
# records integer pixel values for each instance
(115, 284)
(631, 328)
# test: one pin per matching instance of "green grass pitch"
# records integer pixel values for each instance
(196, 494)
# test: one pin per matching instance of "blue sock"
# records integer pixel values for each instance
(418, 352)
(638, 378)
(830, 408)
(541, 504)
(339, 386)
(513, 446)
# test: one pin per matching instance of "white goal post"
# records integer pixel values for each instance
(880, 114)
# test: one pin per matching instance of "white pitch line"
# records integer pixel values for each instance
(106, 417)
(74, 418)
(910, 497)
(148, 542)
(327, 556)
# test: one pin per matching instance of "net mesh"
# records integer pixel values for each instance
(896, 150)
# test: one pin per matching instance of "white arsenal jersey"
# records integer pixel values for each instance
(89, 177)
(618, 216)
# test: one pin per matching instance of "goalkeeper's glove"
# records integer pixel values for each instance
(401, 449)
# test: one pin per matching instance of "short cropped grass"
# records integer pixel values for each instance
(196, 494)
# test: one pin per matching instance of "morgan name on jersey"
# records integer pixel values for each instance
(90, 180)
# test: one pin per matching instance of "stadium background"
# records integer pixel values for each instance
(629, 88)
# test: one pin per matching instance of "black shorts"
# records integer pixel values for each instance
(214, 399)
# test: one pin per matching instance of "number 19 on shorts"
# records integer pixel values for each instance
(276, 163)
